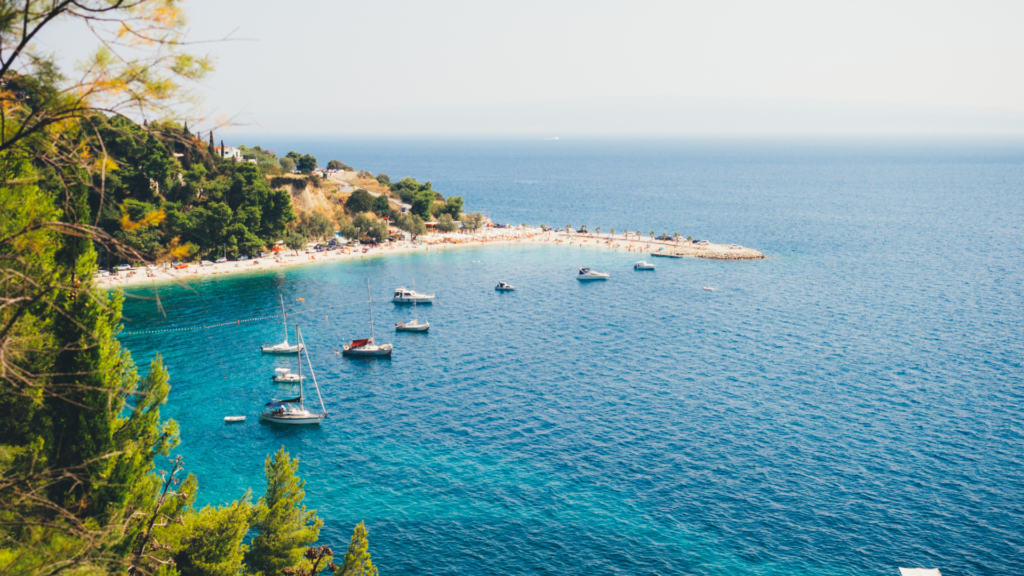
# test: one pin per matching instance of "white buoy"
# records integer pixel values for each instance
(230, 419)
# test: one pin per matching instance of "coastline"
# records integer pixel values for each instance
(502, 236)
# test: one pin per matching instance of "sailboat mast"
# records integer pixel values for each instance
(415, 312)
(369, 302)
(284, 317)
(298, 346)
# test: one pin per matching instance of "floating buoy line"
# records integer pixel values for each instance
(238, 322)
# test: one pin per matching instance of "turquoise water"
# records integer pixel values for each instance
(849, 405)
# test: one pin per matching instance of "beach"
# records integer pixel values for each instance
(641, 245)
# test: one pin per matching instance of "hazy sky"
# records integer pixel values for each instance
(309, 55)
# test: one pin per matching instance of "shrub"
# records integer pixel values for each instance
(359, 201)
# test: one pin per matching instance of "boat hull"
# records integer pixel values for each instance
(295, 420)
(363, 353)
(591, 278)
(417, 328)
(276, 350)
(425, 300)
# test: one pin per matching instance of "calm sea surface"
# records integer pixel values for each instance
(851, 404)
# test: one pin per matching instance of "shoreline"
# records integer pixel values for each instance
(436, 241)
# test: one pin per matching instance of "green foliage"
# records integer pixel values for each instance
(381, 206)
(452, 206)
(359, 201)
(285, 526)
(287, 163)
(412, 224)
(314, 226)
(475, 220)
(265, 159)
(357, 559)
(407, 188)
(306, 163)
(210, 542)
(383, 179)
(446, 224)
(338, 165)
(295, 241)
(423, 203)
(370, 227)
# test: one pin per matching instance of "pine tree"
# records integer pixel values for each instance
(285, 526)
(210, 542)
(357, 559)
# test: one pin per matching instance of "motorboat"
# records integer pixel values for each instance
(406, 296)
(504, 287)
(283, 347)
(366, 347)
(293, 410)
(285, 376)
(709, 288)
(642, 265)
(232, 419)
(412, 326)
(588, 274)
(666, 255)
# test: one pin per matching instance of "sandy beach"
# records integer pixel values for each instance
(643, 247)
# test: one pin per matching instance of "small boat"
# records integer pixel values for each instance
(230, 419)
(366, 347)
(406, 296)
(709, 288)
(588, 274)
(666, 255)
(642, 265)
(285, 376)
(412, 326)
(504, 287)
(283, 347)
(293, 410)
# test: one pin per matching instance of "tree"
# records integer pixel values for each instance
(446, 224)
(652, 234)
(359, 201)
(209, 541)
(285, 526)
(598, 229)
(383, 179)
(452, 206)
(357, 559)
(613, 232)
(314, 226)
(412, 224)
(306, 164)
(335, 165)
(287, 164)
(474, 220)
(381, 206)
(568, 227)
(422, 203)
(294, 241)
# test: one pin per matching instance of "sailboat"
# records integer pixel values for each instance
(283, 347)
(293, 410)
(366, 346)
(414, 325)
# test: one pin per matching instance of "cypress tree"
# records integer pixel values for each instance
(357, 559)
(285, 526)
(211, 142)
(221, 148)
(184, 129)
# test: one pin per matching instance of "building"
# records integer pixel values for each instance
(229, 152)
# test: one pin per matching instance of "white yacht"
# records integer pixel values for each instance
(285, 376)
(283, 347)
(293, 410)
(504, 287)
(588, 274)
(366, 346)
(643, 265)
(406, 296)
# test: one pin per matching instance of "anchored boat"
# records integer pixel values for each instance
(283, 347)
(406, 296)
(588, 274)
(293, 410)
(366, 346)
(414, 325)
(643, 265)
(504, 287)
(285, 376)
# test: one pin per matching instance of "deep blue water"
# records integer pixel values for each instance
(849, 405)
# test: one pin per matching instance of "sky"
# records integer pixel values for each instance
(288, 66)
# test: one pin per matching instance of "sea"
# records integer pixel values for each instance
(849, 405)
